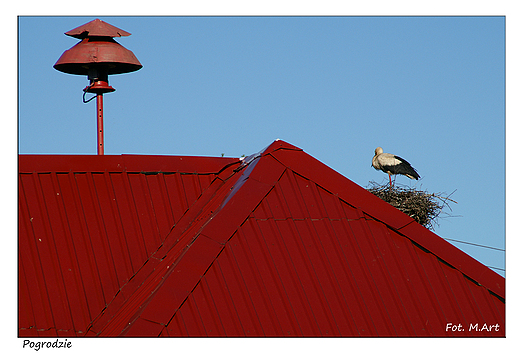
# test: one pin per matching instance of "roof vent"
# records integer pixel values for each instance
(97, 56)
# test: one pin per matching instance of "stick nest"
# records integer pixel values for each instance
(423, 207)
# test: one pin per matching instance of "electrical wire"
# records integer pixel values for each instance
(481, 246)
(85, 92)
(477, 245)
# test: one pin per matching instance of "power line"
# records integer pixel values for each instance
(481, 246)
(477, 245)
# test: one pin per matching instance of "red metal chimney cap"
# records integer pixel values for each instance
(97, 28)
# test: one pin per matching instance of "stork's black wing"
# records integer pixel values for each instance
(403, 168)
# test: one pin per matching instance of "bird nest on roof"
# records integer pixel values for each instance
(422, 206)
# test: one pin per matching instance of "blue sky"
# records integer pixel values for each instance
(429, 89)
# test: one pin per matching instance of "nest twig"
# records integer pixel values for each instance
(422, 206)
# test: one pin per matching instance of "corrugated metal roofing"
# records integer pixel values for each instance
(87, 224)
(279, 244)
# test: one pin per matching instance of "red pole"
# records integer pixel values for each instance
(100, 139)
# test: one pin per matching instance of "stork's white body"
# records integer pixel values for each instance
(392, 164)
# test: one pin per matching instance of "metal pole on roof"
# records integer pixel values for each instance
(97, 55)
(100, 138)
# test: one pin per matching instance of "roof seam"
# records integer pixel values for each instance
(369, 273)
(288, 174)
(45, 217)
(353, 243)
(215, 261)
(391, 281)
(431, 289)
(374, 247)
(276, 274)
(325, 260)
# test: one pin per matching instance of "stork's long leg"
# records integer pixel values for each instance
(390, 178)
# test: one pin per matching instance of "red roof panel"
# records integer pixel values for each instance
(277, 245)
(87, 224)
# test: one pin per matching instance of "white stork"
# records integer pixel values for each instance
(392, 164)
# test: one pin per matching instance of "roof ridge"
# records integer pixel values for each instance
(355, 195)
(218, 227)
(158, 267)
(207, 218)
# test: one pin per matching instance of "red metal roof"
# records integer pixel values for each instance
(278, 244)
